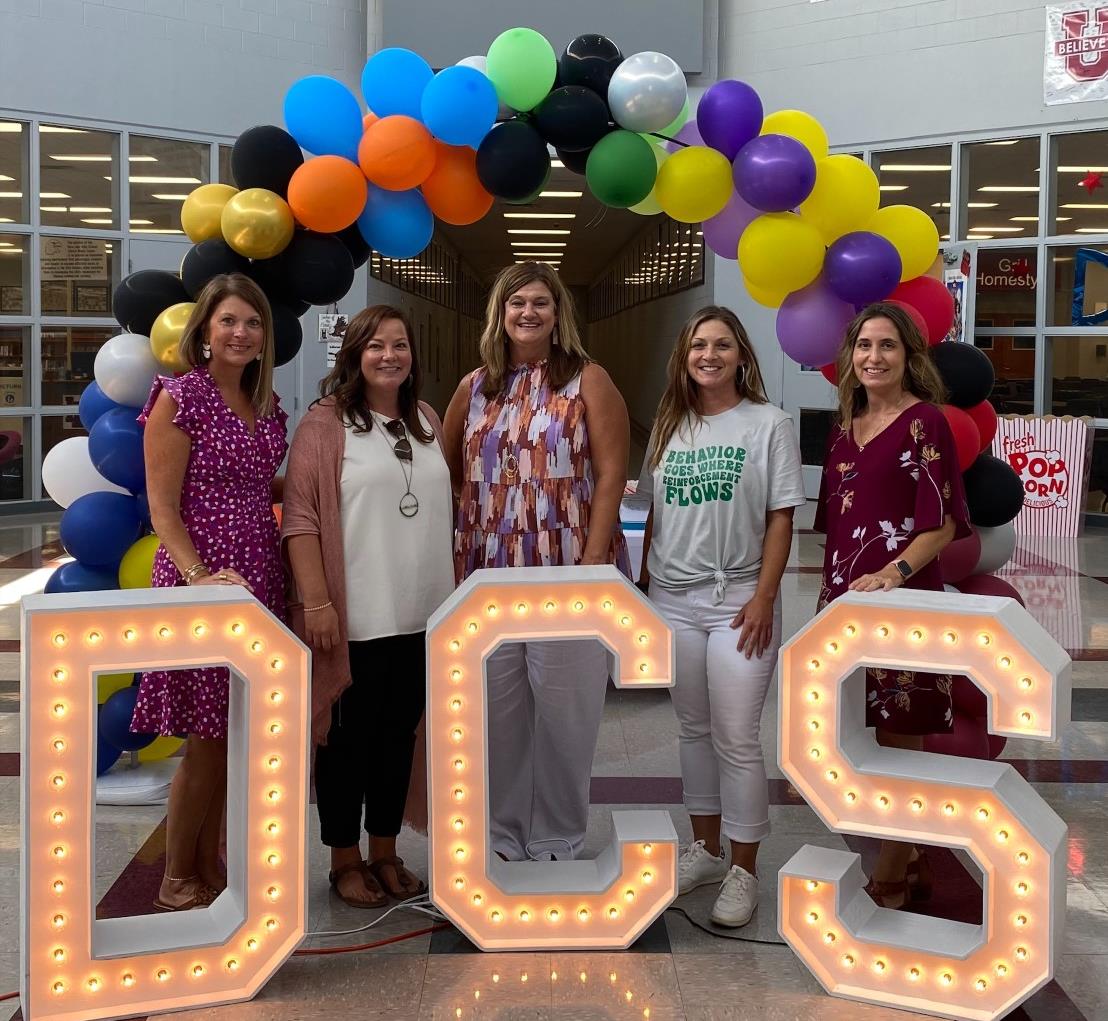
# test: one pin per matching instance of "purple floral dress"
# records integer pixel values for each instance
(228, 512)
(874, 500)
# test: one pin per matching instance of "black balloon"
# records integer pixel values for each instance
(287, 334)
(355, 243)
(265, 157)
(590, 61)
(966, 371)
(572, 117)
(575, 161)
(317, 267)
(270, 275)
(143, 296)
(512, 160)
(994, 492)
(208, 259)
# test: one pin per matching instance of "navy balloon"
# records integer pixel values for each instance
(98, 528)
(459, 106)
(862, 267)
(115, 721)
(398, 224)
(144, 511)
(94, 402)
(393, 81)
(324, 117)
(115, 449)
(107, 755)
(76, 577)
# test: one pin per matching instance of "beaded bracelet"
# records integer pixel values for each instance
(322, 606)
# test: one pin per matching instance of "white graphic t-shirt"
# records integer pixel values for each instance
(717, 479)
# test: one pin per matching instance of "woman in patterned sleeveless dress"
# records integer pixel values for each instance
(537, 442)
(215, 438)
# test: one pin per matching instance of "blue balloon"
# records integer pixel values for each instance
(94, 403)
(98, 528)
(459, 106)
(115, 721)
(393, 81)
(144, 511)
(76, 577)
(324, 117)
(396, 223)
(106, 754)
(115, 449)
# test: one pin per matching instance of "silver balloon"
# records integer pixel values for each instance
(997, 546)
(647, 92)
(481, 63)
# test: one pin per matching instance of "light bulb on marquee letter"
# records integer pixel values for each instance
(896, 958)
(572, 905)
(77, 966)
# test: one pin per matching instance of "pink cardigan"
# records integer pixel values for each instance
(313, 506)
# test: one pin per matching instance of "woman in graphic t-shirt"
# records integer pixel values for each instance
(723, 470)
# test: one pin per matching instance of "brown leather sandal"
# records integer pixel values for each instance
(377, 895)
(377, 868)
(885, 894)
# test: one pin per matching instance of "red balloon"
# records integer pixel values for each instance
(916, 314)
(959, 558)
(934, 302)
(988, 585)
(967, 439)
(984, 417)
(830, 372)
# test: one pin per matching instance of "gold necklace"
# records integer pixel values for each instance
(884, 420)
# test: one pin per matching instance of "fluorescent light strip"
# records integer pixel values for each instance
(907, 168)
(156, 179)
(95, 220)
(155, 230)
(78, 158)
(519, 230)
(169, 198)
(999, 230)
(1091, 230)
(893, 187)
(1010, 188)
(972, 205)
(1082, 170)
(1024, 219)
(90, 209)
(540, 216)
(1007, 141)
(559, 194)
(1085, 205)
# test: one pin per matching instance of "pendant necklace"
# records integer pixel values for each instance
(402, 448)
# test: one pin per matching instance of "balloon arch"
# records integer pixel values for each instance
(806, 229)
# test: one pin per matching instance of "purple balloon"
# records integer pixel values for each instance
(729, 116)
(862, 267)
(774, 173)
(812, 322)
(722, 231)
(689, 134)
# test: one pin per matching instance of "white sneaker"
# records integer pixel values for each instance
(697, 866)
(738, 897)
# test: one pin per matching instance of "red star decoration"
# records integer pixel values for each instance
(1091, 181)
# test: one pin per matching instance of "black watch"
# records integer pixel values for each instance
(904, 569)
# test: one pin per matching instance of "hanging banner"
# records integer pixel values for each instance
(1075, 67)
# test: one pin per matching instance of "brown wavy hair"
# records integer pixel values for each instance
(921, 378)
(682, 395)
(567, 357)
(257, 377)
(345, 385)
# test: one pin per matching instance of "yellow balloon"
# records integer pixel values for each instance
(801, 126)
(257, 223)
(649, 205)
(768, 296)
(138, 563)
(159, 748)
(845, 197)
(108, 684)
(913, 234)
(694, 184)
(165, 336)
(779, 252)
(202, 210)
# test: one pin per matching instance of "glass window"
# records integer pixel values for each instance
(14, 264)
(1013, 361)
(68, 354)
(163, 172)
(917, 177)
(1001, 195)
(1081, 277)
(56, 428)
(1076, 209)
(77, 276)
(815, 428)
(15, 458)
(1097, 502)
(225, 175)
(14, 207)
(15, 365)
(1079, 376)
(79, 172)
(1006, 282)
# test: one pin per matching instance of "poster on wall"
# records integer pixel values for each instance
(1052, 457)
(1075, 64)
(959, 273)
(332, 328)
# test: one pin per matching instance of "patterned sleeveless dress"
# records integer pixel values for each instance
(527, 477)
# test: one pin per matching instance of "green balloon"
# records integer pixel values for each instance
(621, 169)
(522, 66)
(678, 122)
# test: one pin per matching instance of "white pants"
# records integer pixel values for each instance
(718, 700)
(545, 701)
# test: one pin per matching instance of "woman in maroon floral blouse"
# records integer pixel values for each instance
(890, 500)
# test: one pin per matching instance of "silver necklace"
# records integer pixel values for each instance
(402, 448)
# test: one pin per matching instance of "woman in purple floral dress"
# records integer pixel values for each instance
(215, 438)
(890, 500)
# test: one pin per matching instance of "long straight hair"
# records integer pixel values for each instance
(682, 398)
(921, 378)
(346, 385)
(257, 377)
(567, 355)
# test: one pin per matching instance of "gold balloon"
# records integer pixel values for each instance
(257, 223)
(165, 336)
(202, 209)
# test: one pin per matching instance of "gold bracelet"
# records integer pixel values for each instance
(322, 606)
(196, 571)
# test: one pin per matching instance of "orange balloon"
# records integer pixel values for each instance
(397, 153)
(453, 190)
(368, 118)
(327, 193)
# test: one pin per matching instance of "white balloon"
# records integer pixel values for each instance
(68, 473)
(647, 91)
(479, 62)
(997, 546)
(125, 368)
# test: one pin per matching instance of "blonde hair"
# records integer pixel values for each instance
(257, 377)
(921, 378)
(567, 356)
(682, 399)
